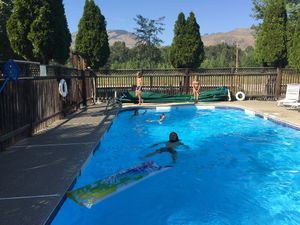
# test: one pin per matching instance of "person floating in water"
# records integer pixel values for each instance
(162, 116)
(170, 147)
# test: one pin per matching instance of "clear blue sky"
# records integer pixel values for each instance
(212, 15)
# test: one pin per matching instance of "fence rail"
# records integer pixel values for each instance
(257, 83)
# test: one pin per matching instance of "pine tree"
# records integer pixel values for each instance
(19, 25)
(41, 34)
(187, 50)
(294, 56)
(62, 36)
(5, 12)
(194, 44)
(271, 41)
(38, 30)
(92, 38)
(177, 50)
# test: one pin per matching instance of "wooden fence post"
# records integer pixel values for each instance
(32, 105)
(151, 82)
(187, 81)
(278, 83)
(84, 98)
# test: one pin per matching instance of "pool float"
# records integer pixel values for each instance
(90, 194)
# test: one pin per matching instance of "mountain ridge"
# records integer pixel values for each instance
(244, 37)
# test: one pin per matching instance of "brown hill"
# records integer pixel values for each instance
(243, 36)
(113, 36)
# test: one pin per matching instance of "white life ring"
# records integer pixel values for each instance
(240, 96)
(63, 88)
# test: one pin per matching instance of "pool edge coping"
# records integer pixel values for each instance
(262, 115)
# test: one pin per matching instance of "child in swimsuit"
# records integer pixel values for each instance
(162, 116)
(196, 89)
(170, 146)
(138, 90)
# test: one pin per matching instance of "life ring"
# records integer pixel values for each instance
(240, 96)
(63, 88)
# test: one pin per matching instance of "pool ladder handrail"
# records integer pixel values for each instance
(114, 103)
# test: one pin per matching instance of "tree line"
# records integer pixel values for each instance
(278, 33)
(38, 31)
(217, 56)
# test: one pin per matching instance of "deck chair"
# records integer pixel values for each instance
(292, 95)
(295, 105)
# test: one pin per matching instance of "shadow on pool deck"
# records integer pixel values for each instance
(36, 172)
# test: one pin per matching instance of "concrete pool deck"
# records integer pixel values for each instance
(36, 172)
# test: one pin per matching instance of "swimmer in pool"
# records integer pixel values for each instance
(170, 147)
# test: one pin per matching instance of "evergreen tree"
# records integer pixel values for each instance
(19, 25)
(38, 31)
(292, 8)
(5, 12)
(61, 36)
(294, 55)
(187, 49)
(41, 34)
(194, 44)
(178, 47)
(247, 58)
(271, 41)
(92, 38)
(119, 52)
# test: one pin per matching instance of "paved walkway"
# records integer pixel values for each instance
(36, 172)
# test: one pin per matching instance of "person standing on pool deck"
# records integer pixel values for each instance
(139, 86)
(170, 146)
(196, 88)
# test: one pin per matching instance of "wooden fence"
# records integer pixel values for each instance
(257, 83)
(34, 101)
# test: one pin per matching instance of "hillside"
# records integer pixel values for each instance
(113, 36)
(243, 36)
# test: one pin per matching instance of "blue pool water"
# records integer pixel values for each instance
(239, 169)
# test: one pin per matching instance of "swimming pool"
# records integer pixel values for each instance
(239, 169)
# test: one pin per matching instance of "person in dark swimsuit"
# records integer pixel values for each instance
(170, 147)
(139, 87)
